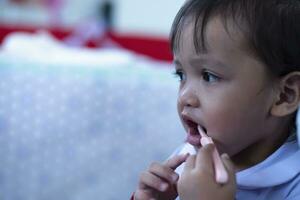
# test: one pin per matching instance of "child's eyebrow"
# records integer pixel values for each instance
(199, 61)
(206, 61)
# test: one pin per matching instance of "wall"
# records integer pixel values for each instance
(146, 16)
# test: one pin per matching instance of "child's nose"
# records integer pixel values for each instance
(188, 98)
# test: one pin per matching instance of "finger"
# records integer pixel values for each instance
(163, 172)
(175, 161)
(204, 159)
(190, 163)
(142, 195)
(229, 166)
(148, 180)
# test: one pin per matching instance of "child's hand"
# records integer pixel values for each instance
(198, 179)
(159, 181)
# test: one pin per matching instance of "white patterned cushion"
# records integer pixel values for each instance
(81, 124)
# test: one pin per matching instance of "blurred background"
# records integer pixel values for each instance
(87, 96)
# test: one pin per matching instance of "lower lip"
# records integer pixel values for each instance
(193, 139)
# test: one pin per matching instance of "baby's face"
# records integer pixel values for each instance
(226, 90)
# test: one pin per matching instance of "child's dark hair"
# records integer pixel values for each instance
(271, 28)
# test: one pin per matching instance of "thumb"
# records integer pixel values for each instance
(229, 166)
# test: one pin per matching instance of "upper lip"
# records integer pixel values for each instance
(188, 120)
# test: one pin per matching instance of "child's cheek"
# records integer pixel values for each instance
(225, 127)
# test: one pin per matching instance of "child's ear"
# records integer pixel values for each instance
(288, 96)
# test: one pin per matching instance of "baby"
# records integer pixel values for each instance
(238, 62)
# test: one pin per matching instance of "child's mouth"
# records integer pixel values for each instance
(193, 135)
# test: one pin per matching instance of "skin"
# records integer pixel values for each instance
(160, 180)
(230, 93)
(245, 110)
(197, 180)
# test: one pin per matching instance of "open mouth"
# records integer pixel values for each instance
(193, 135)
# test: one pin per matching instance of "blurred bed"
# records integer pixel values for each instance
(79, 124)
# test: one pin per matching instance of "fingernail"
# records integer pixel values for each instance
(226, 156)
(185, 155)
(175, 177)
(163, 187)
(208, 146)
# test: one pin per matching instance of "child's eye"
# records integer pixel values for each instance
(179, 74)
(209, 77)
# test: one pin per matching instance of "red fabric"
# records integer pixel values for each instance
(157, 48)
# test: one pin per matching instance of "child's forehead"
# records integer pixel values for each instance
(216, 33)
(268, 29)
